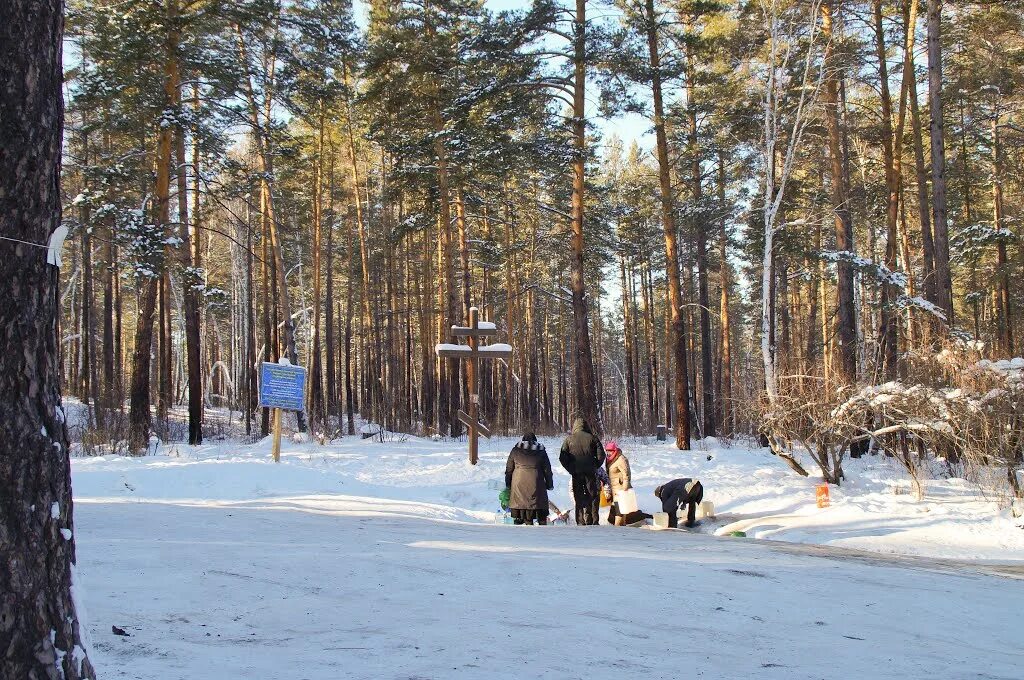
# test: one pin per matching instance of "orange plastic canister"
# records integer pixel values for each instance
(821, 495)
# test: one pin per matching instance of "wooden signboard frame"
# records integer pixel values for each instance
(473, 352)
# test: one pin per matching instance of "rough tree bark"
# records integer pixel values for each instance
(39, 619)
(682, 392)
(1005, 325)
(190, 279)
(846, 316)
(586, 384)
(701, 230)
(725, 372)
(139, 399)
(920, 169)
(318, 416)
(943, 279)
(889, 329)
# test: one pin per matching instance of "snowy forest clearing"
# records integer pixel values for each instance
(418, 478)
(368, 559)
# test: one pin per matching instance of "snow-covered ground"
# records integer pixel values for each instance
(364, 559)
(752, 491)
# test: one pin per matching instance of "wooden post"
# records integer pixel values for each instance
(276, 449)
(474, 397)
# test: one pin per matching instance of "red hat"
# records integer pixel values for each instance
(613, 449)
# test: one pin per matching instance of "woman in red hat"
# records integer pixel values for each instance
(621, 480)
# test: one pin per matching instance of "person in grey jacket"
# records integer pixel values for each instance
(677, 493)
(528, 475)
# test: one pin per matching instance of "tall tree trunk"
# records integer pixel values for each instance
(846, 319)
(968, 214)
(89, 387)
(1005, 326)
(920, 167)
(330, 338)
(653, 403)
(725, 395)
(164, 384)
(265, 165)
(39, 623)
(889, 327)
(139, 415)
(250, 335)
(682, 392)
(888, 330)
(586, 382)
(943, 278)
(627, 335)
(428, 381)
(701, 235)
(449, 372)
(190, 280)
(317, 414)
(110, 393)
(347, 335)
(813, 336)
(460, 219)
(269, 346)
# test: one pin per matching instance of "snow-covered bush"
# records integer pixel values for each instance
(954, 406)
(905, 421)
(802, 417)
(987, 418)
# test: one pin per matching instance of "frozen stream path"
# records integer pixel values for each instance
(311, 588)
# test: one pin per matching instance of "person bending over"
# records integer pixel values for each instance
(677, 493)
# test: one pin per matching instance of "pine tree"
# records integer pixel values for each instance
(40, 634)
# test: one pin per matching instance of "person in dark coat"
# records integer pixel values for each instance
(528, 475)
(677, 493)
(581, 456)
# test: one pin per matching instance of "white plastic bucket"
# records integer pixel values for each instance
(661, 520)
(707, 509)
(626, 501)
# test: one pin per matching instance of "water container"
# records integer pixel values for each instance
(661, 520)
(821, 495)
(707, 509)
(626, 501)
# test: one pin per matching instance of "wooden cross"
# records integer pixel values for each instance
(473, 351)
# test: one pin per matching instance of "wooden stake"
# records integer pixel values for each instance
(474, 397)
(276, 450)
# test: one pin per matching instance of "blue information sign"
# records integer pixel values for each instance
(282, 386)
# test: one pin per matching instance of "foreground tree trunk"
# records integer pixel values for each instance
(39, 625)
